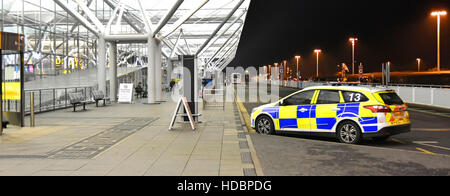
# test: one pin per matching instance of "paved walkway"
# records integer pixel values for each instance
(123, 139)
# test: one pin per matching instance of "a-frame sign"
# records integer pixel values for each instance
(188, 113)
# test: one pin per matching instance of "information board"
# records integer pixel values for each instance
(125, 93)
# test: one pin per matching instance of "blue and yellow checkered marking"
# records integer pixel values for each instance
(348, 110)
(318, 116)
(369, 124)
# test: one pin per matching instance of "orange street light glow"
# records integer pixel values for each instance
(353, 40)
(318, 51)
(439, 13)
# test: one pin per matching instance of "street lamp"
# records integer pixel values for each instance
(418, 64)
(279, 73)
(439, 14)
(298, 58)
(353, 40)
(317, 51)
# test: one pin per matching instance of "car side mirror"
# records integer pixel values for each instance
(282, 103)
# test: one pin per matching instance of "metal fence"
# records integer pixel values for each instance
(50, 99)
(432, 95)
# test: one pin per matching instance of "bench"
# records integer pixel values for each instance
(77, 99)
(98, 96)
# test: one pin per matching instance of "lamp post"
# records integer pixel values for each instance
(317, 51)
(418, 64)
(279, 73)
(298, 74)
(439, 14)
(353, 40)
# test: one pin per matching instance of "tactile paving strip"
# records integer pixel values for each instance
(246, 157)
(94, 145)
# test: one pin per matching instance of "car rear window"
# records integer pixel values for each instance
(354, 97)
(391, 99)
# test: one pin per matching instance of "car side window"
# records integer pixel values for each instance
(328, 97)
(354, 97)
(302, 98)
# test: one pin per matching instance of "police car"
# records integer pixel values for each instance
(349, 113)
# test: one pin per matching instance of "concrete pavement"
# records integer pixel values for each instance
(127, 139)
(292, 154)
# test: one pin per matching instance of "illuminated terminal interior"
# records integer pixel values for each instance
(81, 45)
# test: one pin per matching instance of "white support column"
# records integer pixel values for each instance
(169, 70)
(151, 70)
(197, 82)
(158, 72)
(113, 72)
(101, 64)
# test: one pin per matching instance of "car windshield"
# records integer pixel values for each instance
(391, 98)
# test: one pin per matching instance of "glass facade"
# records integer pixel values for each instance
(61, 37)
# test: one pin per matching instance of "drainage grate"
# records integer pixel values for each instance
(249, 172)
(242, 135)
(94, 145)
(243, 145)
(246, 157)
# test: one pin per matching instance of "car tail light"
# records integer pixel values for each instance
(378, 108)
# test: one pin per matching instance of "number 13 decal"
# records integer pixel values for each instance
(355, 97)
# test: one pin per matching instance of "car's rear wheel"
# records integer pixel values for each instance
(264, 125)
(349, 132)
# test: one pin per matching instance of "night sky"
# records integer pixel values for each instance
(399, 31)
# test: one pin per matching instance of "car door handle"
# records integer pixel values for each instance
(336, 109)
(303, 110)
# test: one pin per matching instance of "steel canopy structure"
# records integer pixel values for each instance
(210, 29)
(79, 34)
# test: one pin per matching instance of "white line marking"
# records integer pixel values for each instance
(426, 144)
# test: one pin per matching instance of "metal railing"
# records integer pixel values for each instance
(213, 98)
(50, 99)
(424, 94)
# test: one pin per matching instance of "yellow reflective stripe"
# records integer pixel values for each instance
(276, 123)
(341, 97)
(314, 99)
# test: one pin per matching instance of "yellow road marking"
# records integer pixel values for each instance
(244, 114)
(398, 141)
(426, 151)
(434, 146)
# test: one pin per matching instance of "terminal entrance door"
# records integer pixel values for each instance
(12, 74)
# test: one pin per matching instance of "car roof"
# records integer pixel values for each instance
(360, 88)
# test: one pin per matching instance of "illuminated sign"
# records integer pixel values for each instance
(73, 63)
(11, 91)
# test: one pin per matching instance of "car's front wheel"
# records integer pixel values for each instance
(349, 132)
(264, 125)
